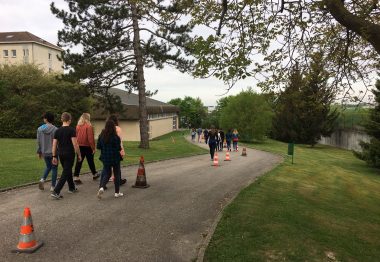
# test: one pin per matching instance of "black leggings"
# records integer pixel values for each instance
(86, 152)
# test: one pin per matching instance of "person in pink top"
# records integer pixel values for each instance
(86, 141)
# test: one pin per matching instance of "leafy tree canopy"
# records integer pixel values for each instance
(265, 39)
(248, 112)
(26, 92)
(192, 111)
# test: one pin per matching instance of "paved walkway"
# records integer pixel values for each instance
(166, 222)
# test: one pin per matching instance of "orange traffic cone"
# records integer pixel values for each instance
(141, 176)
(27, 242)
(216, 159)
(244, 152)
(227, 156)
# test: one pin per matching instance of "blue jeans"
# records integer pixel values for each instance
(50, 166)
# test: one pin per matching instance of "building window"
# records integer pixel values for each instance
(26, 52)
(174, 122)
(5, 53)
(50, 56)
(13, 53)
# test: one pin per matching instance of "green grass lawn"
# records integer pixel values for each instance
(324, 207)
(19, 163)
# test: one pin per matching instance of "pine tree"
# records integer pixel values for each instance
(303, 111)
(286, 124)
(316, 117)
(371, 151)
(118, 39)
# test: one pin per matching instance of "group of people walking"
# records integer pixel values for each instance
(217, 139)
(64, 143)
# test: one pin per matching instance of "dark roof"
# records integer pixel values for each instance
(24, 37)
(133, 99)
(131, 106)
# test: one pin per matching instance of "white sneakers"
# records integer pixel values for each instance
(119, 195)
(100, 192)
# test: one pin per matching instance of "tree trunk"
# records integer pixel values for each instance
(366, 29)
(143, 115)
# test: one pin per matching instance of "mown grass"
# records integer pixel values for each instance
(19, 163)
(324, 207)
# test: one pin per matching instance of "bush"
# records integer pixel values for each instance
(26, 92)
(248, 112)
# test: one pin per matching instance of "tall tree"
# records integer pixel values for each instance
(317, 118)
(371, 151)
(286, 123)
(118, 39)
(283, 33)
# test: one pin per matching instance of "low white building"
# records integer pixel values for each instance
(162, 117)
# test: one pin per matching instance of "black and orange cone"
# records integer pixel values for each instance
(141, 176)
(27, 242)
(244, 152)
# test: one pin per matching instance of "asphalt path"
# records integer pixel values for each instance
(171, 220)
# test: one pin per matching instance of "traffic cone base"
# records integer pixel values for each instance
(216, 160)
(27, 242)
(244, 152)
(227, 156)
(30, 250)
(141, 176)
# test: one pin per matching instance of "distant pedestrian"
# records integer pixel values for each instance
(199, 132)
(229, 139)
(86, 141)
(205, 135)
(235, 139)
(193, 133)
(65, 142)
(110, 145)
(217, 140)
(212, 141)
(45, 136)
(221, 139)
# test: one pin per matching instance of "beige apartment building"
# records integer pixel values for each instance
(162, 117)
(26, 48)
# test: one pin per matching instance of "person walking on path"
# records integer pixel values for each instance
(86, 141)
(229, 139)
(221, 133)
(119, 132)
(199, 132)
(109, 145)
(205, 135)
(193, 133)
(45, 136)
(212, 141)
(65, 142)
(235, 139)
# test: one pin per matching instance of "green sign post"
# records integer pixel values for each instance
(291, 150)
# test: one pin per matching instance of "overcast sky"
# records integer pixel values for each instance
(35, 17)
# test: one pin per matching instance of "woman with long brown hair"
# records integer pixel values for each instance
(109, 145)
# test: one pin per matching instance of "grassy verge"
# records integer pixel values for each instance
(324, 207)
(19, 163)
